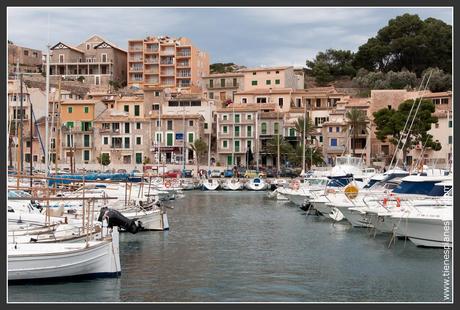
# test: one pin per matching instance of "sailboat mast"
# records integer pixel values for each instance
(21, 126)
(233, 135)
(304, 136)
(47, 108)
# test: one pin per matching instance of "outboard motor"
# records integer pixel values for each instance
(115, 218)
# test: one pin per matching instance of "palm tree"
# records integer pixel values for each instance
(285, 147)
(200, 148)
(313, 156)
(300, 126)
(357, 120)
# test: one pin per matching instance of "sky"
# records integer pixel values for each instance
(245, 36)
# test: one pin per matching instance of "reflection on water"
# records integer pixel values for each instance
(239, 246)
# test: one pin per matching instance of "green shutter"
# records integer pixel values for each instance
(138, 158)
(229, 160)
(136, 110)
(169, 139)
(277, 81)
(69, 109)
(190, 137)
(86, 155)
(237, 146)
(70, 125)
(254, 83)
(225, 145)
(86, 109)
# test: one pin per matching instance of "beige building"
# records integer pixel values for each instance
(95, 62)
(166, 62)
(269, 77)
(223, 86)
(28, 59)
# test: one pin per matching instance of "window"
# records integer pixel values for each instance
(298, 102)
(103, 57)
(138, 126)
(158, 123)
(444, 101)
(136, 110)
(126, 108)
(69, 125)
(277, 82)
(264, 128)
(248, 144)
(61, 58)
(237, 131)
(211, 95)
(333, 142)
(321, 139)
(190, 123)
(450, 139)
(436, 125)
(155, 107)
(330, 129)
(106, 140)
(86, 126)
(237, 146)
(225, 129)
(337, 129)
(205, 125)
(276, 128)
(450, 124)
(138, 140)
(69, 110)
(249, 117)
(237, 118)
(127, 142)
(86, 110)
(268, 82)
(244, 100)
(291, 132)
(69, 140)
(224, 144)
(253, 73)
(126, 127)
(26, 53)
(170, 125)
(222, 82)
(224, 117)
(235, 83)
(318, 103)
(138, 158)
(280, 102)
(169, 139)
(86, 140)
(277, 72)
(116, 127)
(86, 155)
(190, 137)
(249, 130)
(254, 83)
(87, 46)
(261, 100)
(157, 94)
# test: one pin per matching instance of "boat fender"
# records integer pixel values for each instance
(385, 200)
(167, 184)
(398, 202)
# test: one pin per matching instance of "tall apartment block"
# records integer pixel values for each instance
(166, 62)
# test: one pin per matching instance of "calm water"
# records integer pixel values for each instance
(240, 246)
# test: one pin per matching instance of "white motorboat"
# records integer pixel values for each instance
(210, 184)
(232, 185)
(149, 219)
(256, 184)
(32, 261)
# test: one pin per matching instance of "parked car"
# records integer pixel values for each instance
(250, 174)
(215, 174)
(288, 173)
(187, 174)
(121, 171)
(172, 173)
(228, 173)
(241, 171)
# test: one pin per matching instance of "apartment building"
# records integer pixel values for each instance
(94, 62)
(76, 135)
(166, 62)
(222, 87)
(28, 59)
(383, 151)
(173, 135)
(269, 77)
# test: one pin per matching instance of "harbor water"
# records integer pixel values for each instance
(243, 247)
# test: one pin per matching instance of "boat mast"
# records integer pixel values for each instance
(47, 108)
(233, 135)
(304, 137)
(21, 127)
(209, 137)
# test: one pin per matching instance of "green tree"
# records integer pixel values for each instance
(390, 124)
(439, 80)
(285, 148)
(357, 120)
(81, 79)
(313, 155)
(336, 63)
(200, 147)
(408, 42)
(299, 126)
(115, 85)
(104, 159)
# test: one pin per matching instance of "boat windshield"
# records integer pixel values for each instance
(421, 188)
(316, 182)
(352, 161)
(16, 194)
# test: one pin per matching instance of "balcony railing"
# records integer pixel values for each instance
(135, 59)
(136, 69)
(151, 60)
(220, 85)
(184, 54)
(183, 64)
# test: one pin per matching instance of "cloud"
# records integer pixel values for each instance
(246, 36)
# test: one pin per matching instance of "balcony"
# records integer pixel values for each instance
(167, 62)
(136, 69)
(135, 48)
(184, 75)
(151, 71)
(335, 149)
(151, 60)
(77, 129)
(168, 52)
(183, 65)
(151, 50)
(136, 59)
(221, 86)
(184, 54)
